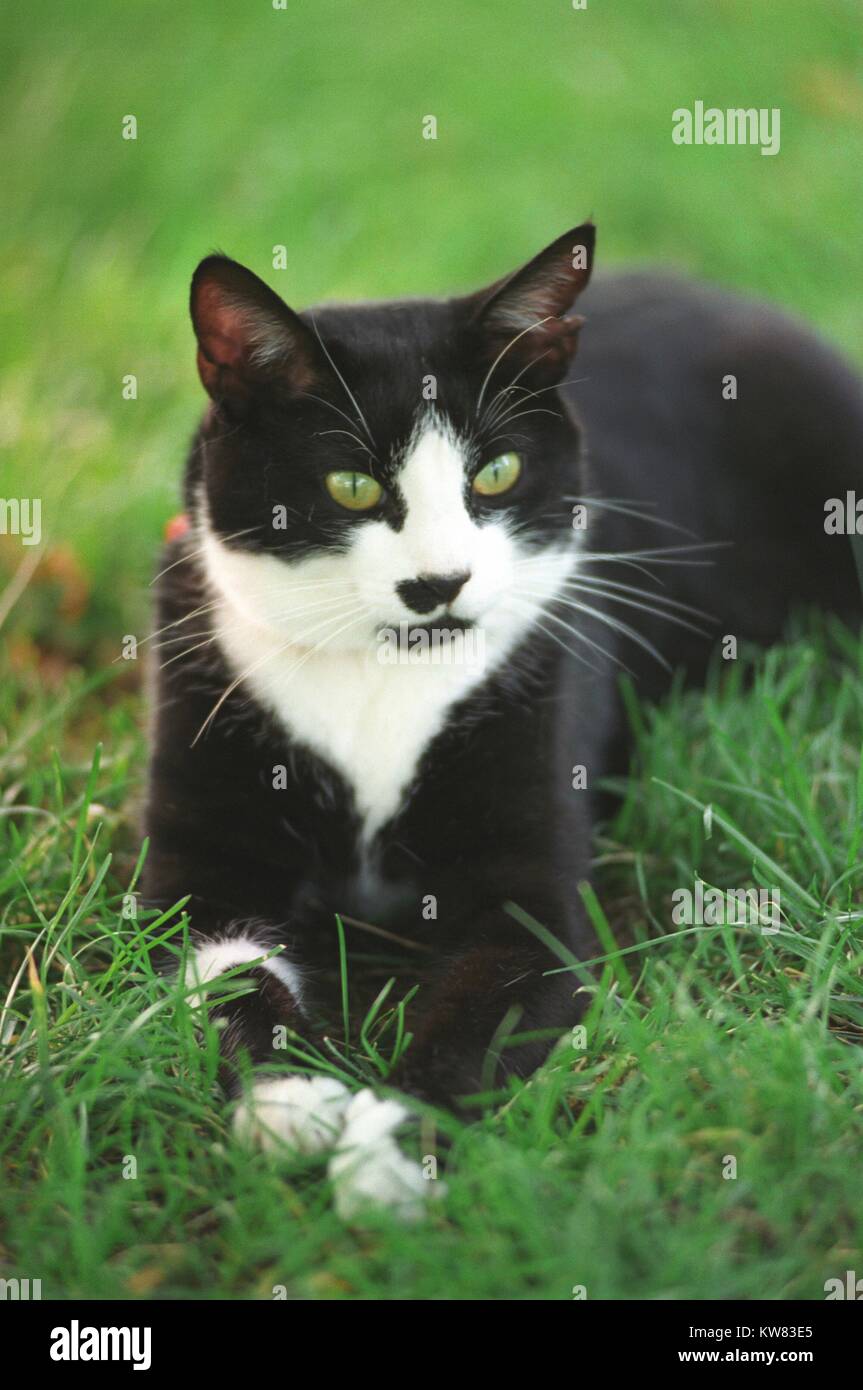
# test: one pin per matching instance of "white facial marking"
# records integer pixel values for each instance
(305, 634)
(438, 535)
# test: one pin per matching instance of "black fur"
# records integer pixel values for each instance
(492, 817)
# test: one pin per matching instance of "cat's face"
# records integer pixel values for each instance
(375, 465)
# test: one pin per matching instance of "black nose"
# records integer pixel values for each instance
(426, 592)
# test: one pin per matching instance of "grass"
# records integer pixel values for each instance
(302, 128)
(606, 1170)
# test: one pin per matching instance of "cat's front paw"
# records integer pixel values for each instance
(305, 1113)
(369, 1170)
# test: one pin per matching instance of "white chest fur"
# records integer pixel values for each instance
(371, 722)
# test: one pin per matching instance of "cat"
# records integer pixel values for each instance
(449, 470)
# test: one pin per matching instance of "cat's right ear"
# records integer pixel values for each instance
(247, 336)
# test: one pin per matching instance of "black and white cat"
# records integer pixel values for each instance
(419, 468)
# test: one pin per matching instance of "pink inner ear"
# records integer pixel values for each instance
(223, 328)
(540, 304)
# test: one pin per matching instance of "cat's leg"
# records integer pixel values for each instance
(305, 1113)
(309, 1114)
(459, 1047)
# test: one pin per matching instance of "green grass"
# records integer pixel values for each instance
(302, 128)
(606, 1170)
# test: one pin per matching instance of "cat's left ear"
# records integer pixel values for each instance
(525, 318)
(248, 338)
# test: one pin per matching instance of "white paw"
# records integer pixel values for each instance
(369, 1169)
(306, 1113)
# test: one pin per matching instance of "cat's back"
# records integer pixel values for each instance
(676, 347)
(718, 420)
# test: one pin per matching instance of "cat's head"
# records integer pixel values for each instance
(369, 465)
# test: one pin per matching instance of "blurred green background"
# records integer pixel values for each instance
(303, 127)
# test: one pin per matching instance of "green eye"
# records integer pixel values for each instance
(498, 476)
(356, 491)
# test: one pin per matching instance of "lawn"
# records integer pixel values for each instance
(612, 1169)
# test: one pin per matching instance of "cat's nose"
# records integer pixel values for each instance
(429, 590)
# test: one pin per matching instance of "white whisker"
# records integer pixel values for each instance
(355, 437)
(503, 352)
(348, 390)
(607, 505)
(615, 624)
(529, 608)
(490, 417)
(211, 635)
(269, 656)
(610, 587)
(190, 555)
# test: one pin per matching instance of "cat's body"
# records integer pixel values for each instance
(420, 798)
(748, 475)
